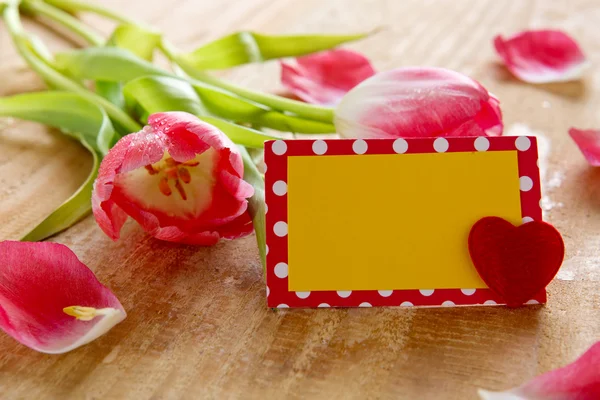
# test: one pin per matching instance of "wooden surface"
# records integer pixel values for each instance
(198, 326)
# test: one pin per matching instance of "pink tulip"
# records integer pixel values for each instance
(179, 178)
(542, 56)
(588, 142)
(49, 300)
(418, 102)
(579, 380)
(325, 77)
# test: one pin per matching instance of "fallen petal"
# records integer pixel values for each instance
(542, 56)
(325, 77)
(49, 300)
(418, 102)
(588, 142)
(579, 380)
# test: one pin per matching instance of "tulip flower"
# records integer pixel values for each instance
(179, 178)
(588, 142)
(542, 56)
(418, 102)
(579, 380)
(325, 77)
(49, 300)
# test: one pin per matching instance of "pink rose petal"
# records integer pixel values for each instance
(325, 77)
(588, 142)
(542, 56)
(49, 300)
(418, 102)
(579, 380)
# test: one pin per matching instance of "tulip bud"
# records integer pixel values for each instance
(418, 102)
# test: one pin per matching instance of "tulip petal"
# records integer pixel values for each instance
(49, 300)
(579, 380)
(180, 178)
(542, 56)
(588, 142)
(418, 102)
(325, 77)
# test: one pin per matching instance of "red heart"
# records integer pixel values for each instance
(515, 262)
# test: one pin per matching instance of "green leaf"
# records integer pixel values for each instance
(79, 118)
(138, 40)
(69, 112)
(152, 94)
(105, 64)
(141, 42)
(256, 204)
(247, 47)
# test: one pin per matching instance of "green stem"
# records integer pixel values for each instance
(56, 79)
(65, 19)
(300, 109)
(256, 204)
(74, 5)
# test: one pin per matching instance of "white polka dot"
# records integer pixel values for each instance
(532, 302)
(406, 304)
(266, 208)
(279, 147)
(319, 147)
(527, 219)
(323, 305)
(283, 306)
(266, 249)
(525, 183)
(280, 228)
(280, 188)
(344, 293)
(426, 292)
(302, 295)
(359, 146)
(468, 292)
(441, 145)
(448, 303)
(482, 144)
(400, 146)
(385, 293)
(268, 291)
(522, 143)
(281, 270)
(365, 304)
(490, 302)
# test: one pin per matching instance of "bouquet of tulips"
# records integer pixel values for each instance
(172, 147)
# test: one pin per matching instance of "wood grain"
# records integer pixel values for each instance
(198, 326)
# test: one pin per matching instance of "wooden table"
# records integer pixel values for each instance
(198, 326)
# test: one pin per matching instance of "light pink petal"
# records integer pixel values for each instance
(588, 142)
(418, 102)
(325, 77)
(542, 56)
(38, 281)
(579, 380)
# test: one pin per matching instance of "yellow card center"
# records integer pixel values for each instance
(392, 222)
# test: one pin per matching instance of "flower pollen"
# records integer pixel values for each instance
(85, 313)
(172, 170)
